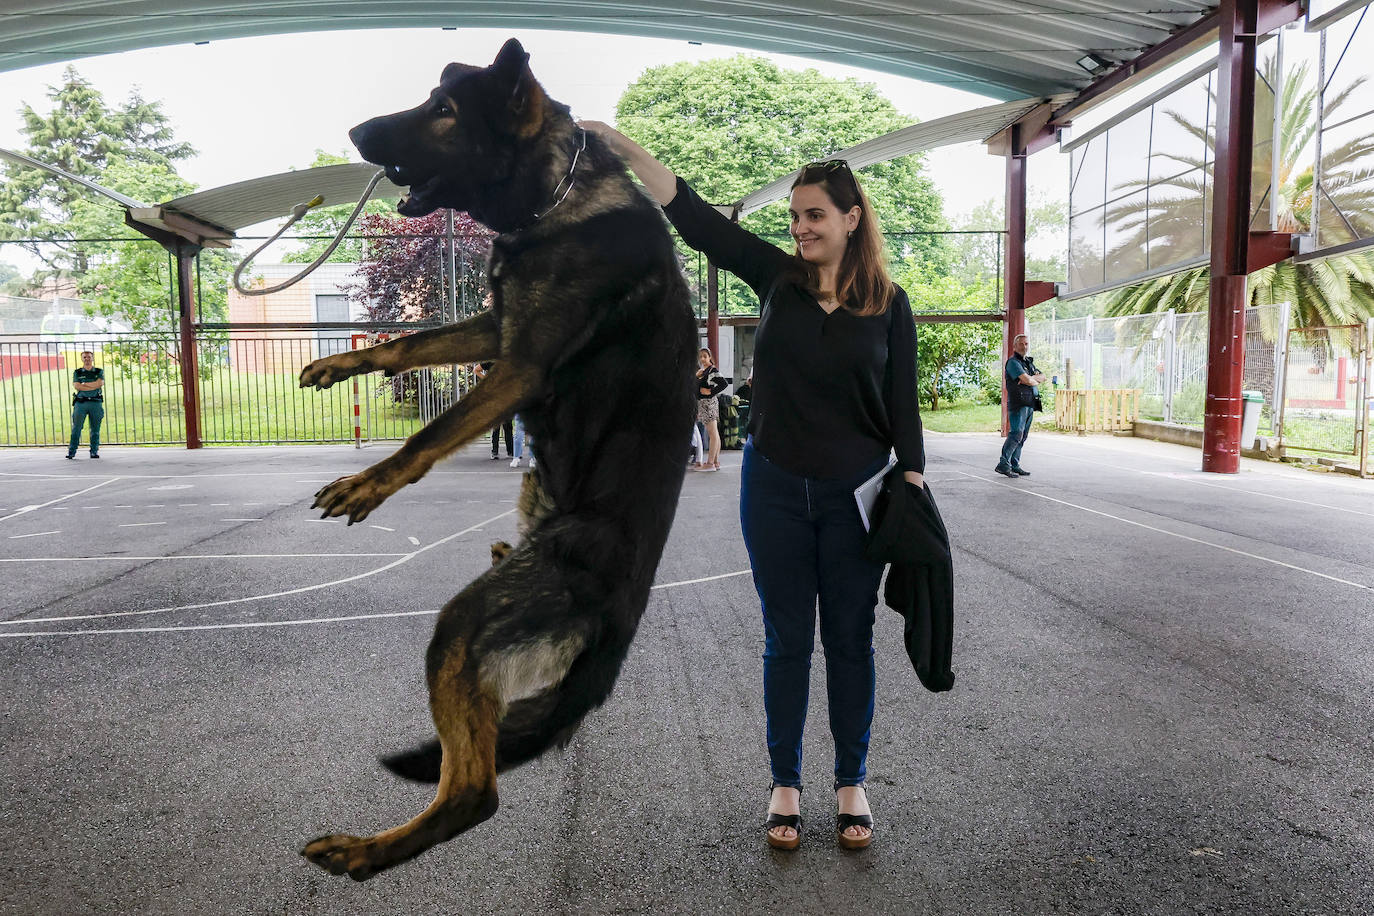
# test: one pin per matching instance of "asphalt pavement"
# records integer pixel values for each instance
(1164, 700)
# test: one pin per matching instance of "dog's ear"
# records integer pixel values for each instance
(454, 73)
(512, 71)
(510, 62)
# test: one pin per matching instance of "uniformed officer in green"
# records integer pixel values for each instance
(89, 402)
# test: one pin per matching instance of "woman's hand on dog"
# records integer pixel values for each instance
(660, 180)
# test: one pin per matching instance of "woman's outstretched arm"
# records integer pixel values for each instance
(656, 176)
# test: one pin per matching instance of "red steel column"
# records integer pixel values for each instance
(1230, 235)
(190, 373)
(1015, 271)
(713, 310)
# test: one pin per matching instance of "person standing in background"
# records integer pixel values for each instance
(1023, 391)
(88, 403)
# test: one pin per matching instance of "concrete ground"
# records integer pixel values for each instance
(1164, 699)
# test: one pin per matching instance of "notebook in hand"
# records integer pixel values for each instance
(866, 494)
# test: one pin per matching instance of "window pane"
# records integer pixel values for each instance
(1085, 249)
(1348, 54)
(1088, 170)
(1177, 143)
(1261, 162)
(1126, 235)
(1346, 207)
(1128, 145)
(1178, 220)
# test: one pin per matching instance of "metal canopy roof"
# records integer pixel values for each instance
(246, 203)
(1004, 49)
(980, 124)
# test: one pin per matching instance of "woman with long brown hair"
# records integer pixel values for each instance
(834, 394)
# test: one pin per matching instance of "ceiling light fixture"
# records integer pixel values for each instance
(1093, 63)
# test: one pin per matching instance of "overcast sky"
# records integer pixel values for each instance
(257, 106)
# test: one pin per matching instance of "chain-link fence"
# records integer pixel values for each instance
(1163, 355)
(1325, 408)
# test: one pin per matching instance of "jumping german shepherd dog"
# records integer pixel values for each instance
(595, 347)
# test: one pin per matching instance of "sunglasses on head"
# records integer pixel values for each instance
(831, 165)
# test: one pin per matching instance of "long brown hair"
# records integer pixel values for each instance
(862, 277)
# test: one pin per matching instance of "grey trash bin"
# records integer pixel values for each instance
(1249, 423)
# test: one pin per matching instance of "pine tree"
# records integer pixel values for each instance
(83, 135)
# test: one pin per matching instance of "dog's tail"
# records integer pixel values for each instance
(419, 764)
(529, 729)
(534, 725)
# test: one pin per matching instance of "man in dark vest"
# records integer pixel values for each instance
(89, 402)
(1023, 381)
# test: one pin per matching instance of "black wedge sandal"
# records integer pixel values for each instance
(783, 820)
(844, 821)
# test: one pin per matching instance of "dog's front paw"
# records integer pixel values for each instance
(340, 854)
(326, 371)
(355, 496)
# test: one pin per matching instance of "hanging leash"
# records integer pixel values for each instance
(297, 212)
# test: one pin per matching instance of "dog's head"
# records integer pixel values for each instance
(464, 139)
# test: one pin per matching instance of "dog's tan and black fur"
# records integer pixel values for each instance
(594, 345)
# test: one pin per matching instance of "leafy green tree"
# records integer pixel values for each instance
(80, 134)
(731, 126)
(951, 357)
(982, 255)
(319, 226)
(10, 278)
(1331, 291)
(130, 148)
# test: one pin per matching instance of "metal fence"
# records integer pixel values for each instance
(1163, 355)
(1327, 389)
(248, 388)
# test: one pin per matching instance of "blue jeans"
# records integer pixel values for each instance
(519, 437)
(805, 542)
(95, 410)
(1019, 421)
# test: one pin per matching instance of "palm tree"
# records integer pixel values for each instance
(1332, 291)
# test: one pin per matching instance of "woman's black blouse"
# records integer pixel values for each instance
(710, 378)
(832, 393)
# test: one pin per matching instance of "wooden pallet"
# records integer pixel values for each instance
(1097, 410)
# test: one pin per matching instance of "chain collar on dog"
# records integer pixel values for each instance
(567, 179)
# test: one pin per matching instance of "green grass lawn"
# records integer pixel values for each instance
(968, 417)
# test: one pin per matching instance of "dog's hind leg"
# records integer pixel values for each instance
(466, 715)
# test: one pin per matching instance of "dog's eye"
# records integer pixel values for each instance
(442, 110)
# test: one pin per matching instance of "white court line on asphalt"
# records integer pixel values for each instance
(58, 500)
(742, 572)
(405, 558)
(141, 524)
(249, 625)
(197, 556)
(240, 519)
(1174, 534)
(1174, 475)
(36, 534)
(261, 624)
